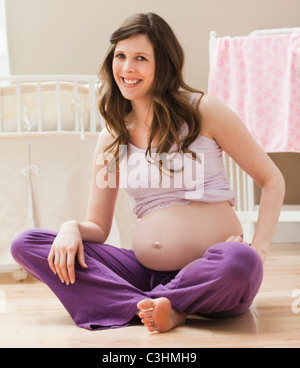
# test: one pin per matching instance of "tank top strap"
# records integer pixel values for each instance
(194, 96)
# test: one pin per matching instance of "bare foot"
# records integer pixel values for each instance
(158, 315)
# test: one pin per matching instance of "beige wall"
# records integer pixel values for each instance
(71, 36)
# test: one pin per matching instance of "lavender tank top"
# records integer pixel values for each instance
(203, 180)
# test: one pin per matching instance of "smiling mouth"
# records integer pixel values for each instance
(130, 82)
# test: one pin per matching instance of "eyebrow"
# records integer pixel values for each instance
(136, 53)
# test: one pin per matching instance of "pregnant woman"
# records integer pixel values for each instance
(163, 144)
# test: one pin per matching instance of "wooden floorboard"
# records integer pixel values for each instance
(31, 316)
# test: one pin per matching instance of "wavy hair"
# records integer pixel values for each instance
(170, 107)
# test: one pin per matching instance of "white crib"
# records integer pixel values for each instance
(246, 209)
(48, 131)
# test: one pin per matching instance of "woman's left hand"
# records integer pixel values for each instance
(237, 239)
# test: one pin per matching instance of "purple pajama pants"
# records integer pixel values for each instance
(223, 282)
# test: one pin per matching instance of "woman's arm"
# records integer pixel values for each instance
(96, 227)
(103, 195)
(224, 126)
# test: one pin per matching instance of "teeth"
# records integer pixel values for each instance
(131, 81)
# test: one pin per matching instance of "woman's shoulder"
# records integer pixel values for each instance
(207, 104)
(212, 106)
(214, 114)
(219, 121)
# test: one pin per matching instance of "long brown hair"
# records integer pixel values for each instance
(170, 107)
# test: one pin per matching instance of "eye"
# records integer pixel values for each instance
(141, 58)
(119, 56)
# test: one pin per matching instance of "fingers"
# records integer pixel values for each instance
(237, 239)
(62, 263)
(80, 257)
(63, 267)
(71, 267)
(58, 264)
(62, 270)
(51, 261)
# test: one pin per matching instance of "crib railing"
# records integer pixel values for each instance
(84, 95)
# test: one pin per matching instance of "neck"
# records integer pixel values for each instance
(142, 113)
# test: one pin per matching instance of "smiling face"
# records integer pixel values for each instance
(134, 67)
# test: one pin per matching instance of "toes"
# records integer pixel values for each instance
(143, 314)
(146, 304)
(152, 329)
(151, 326)
(147, 320)
(146, 307)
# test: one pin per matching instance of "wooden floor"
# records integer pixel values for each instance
(31, 316)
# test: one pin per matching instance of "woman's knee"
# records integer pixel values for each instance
(239, 261)
(19, 244)
(30, 241)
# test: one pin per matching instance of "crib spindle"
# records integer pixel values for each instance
(58, 105)
(37, 81)
(238, 185)
(92, 99)
(19, 114)
(250, 193)
(231, 176)
(244, 190)
(76, 105)
(39, 106)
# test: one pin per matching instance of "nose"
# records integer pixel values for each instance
(129, 66)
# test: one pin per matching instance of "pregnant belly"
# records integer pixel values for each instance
(169, 238)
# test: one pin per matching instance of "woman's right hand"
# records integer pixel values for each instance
(61, 258)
